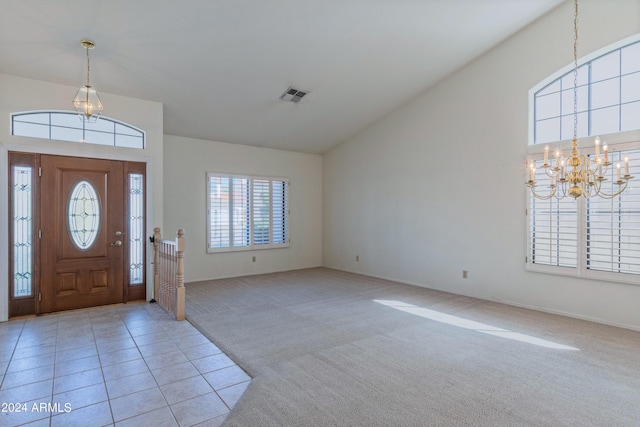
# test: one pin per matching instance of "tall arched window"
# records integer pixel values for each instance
(65, 126)
(592, 238)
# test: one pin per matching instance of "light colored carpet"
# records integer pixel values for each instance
(323, 352)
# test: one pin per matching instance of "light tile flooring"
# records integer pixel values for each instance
(122, 365)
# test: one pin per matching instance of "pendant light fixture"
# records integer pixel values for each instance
(86, 102)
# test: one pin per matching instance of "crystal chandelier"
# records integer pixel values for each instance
(86, 102)
(578, 175)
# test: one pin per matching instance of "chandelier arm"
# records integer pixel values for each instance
(563, 187)
(541, 197)
(621, 188)
(590, 191)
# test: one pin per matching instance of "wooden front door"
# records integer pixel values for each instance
(82, 225)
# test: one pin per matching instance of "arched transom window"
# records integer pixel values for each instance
(608, 98)
(65, 126)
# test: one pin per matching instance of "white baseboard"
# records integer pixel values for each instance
(571, 315)
(233, 276)
(506, 302)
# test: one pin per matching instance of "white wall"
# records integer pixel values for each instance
(186, 163)
(19, 94)
(437, 187)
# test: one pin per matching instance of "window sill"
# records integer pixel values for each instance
(601, 276)
(246, 248)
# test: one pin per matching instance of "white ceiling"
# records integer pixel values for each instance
(219, 66)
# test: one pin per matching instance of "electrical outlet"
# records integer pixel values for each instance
(465, 274)
(253, 259)
(357, 257)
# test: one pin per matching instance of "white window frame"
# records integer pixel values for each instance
(252, 246)
(620, 141)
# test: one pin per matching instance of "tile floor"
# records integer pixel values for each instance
(122, 365)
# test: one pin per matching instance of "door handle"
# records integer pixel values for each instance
(116, 243)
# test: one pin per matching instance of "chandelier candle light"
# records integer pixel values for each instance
(578, 172)
(86, 102)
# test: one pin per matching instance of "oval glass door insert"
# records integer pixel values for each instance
(84, 215)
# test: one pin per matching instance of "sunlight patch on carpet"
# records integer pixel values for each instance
(461, 322)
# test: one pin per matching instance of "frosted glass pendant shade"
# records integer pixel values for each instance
(87, 104)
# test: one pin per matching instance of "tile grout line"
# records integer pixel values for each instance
(55, 358)
(15, 346)
(104, 380)
(153, 376)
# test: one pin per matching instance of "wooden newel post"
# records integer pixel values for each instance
(180, 291)
(156, 263)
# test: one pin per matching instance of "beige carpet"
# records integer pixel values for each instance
(328, 348)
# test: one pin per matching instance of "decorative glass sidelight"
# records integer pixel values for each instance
(84, 215)
(22, 231)
(136, 228)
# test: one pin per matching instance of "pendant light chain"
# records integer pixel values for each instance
(88, 67)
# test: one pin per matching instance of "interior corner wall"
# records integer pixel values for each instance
(437, 187)
(187, 162)
(20, 94)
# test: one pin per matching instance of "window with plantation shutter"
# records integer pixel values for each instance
(589, 237)
(613, 225)
(247, 212)
(553, 230)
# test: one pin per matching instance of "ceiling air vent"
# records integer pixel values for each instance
(292, 94)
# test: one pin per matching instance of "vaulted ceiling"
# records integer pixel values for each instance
(220, 66)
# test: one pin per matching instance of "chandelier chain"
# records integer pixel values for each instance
(575, 70)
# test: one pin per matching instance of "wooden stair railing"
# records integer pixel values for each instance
(168, 273)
